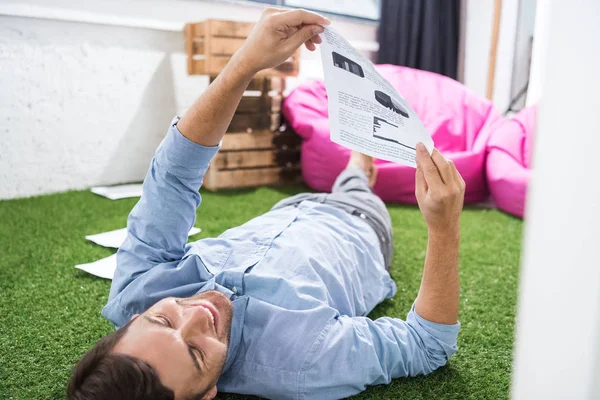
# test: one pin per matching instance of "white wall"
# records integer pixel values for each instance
(558, 330)
(479, 22)
(86, 103)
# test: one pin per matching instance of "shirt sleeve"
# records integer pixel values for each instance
(158, 225)
(356, 352)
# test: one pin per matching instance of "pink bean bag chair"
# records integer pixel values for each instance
(509, 160)
(458, 119)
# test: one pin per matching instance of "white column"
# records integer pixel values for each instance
(558, 331)
(539, 52)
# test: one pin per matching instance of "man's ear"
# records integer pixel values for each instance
(134, 317)
(211, 394)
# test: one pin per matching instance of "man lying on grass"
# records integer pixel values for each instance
(276, 307)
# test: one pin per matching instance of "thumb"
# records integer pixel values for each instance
(304, 34)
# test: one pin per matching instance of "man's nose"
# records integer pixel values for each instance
(195, 321)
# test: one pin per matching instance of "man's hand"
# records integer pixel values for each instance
(277, 35)
(440, 191)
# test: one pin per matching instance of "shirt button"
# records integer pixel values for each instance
(234, 289)
(363, 216)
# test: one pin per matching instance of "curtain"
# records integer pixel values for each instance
(420, 34)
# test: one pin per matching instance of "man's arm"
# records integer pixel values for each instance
(440, 193)
(159, 223)
(357, 352)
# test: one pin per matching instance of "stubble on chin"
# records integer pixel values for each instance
(223, 306)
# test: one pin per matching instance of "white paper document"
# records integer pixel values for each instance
(104, 268)
(119, 191)
(366, 113)
(116, 238)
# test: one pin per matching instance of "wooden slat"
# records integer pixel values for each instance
(255, 140)
(198, 46)
(189, 37)
(250, 104)
(257, 104)
(225, 46)
(196, 67)
(243, 122)
(243, 159)
(195, 29)
(239, 178)
(229, 28)
(268, 83)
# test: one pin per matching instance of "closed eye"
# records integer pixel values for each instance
(199, 352)
(160, 320)
(165, 321)
(194, 351)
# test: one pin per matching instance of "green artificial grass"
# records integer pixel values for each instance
(50, 312)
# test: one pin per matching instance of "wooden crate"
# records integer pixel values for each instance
(252, 167)
(256, 158)
(210, 44)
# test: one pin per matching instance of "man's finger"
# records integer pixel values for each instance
(303, 35)
(420, 184)
(443, 166)
(458, 177)
(302, 17)
(426, 164)
(310, 45)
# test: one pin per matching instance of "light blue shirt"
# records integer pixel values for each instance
(302, 280)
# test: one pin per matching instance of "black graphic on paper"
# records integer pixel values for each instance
(347, 64)
(385, 130)
(387, 101)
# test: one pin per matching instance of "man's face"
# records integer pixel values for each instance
(185, 340)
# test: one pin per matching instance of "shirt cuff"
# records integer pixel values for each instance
(442, 332)
(182, 157)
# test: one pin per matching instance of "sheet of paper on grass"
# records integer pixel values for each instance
(116, 238)
(366, 113)
(105, 268)
(119, 191)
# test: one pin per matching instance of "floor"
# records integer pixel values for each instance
(49, 311)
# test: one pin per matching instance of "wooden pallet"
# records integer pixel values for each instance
(210, 44)
(249, 159)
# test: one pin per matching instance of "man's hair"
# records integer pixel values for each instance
(102, 375)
